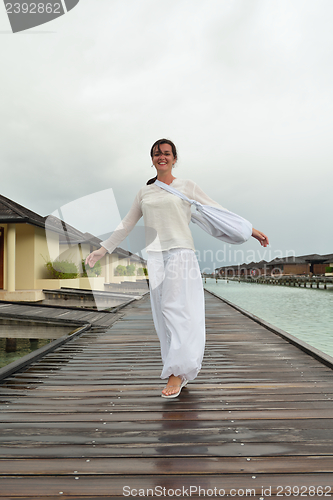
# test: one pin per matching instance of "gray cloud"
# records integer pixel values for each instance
(243, 88)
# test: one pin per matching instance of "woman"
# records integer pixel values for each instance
(176, 290)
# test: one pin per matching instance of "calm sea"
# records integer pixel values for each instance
(304, 312)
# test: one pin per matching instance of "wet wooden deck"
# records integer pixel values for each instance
(88, 420)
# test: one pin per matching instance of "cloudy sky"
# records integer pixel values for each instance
(243, 87)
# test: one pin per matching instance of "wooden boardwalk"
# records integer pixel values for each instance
(87, 420)
(70, 315)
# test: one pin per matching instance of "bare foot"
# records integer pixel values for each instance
(172, 386)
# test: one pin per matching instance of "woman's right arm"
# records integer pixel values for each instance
(119, 234)
(95, 256)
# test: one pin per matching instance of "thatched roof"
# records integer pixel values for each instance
(288, 260)
(13, 213)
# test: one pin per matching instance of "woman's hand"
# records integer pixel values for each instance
(261, 237)
(95, 256)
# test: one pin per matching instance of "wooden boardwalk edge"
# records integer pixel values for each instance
(324, 358)
(32, 357)
(79, 327)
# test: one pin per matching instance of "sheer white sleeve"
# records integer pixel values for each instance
(125, 227)
(203, 198)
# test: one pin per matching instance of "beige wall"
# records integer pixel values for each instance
(25, 252)
(74, 253)
(52, 250)
(5, 257)
(31, 254)
(115, 261)
(33, 250)
(42, 251)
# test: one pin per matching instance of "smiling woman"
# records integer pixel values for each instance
(175, 283)
(164, 155)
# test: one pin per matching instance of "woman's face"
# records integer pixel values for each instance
(163, 159)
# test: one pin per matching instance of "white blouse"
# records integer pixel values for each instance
(166, 217)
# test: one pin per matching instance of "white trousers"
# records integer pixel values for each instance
(178, 308)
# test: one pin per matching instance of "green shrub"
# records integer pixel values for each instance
(91, 271)
(130, 270)
(125, 270)
(120, 271)
(142, 271)
(328, 269)
(62, 269)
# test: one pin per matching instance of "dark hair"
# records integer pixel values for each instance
(158, 144)
(163, 141)
(151, 181)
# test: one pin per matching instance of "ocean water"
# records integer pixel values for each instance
(303, 312)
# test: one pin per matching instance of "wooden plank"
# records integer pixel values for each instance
(92, 450)
(115, 497)
(158, 466)
(167, 415)
(145, 395)
(177, 426)
(105, 436)
(114, 485)
(125, 404)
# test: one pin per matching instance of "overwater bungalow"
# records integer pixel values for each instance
(305, 265)
(29, 240)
